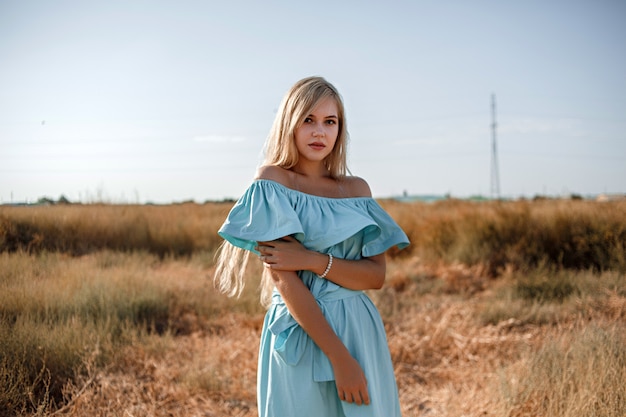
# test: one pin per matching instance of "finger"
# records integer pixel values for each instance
(359, 398)
(264, 250)
(347, 397)
(342, 396)
(366, 398)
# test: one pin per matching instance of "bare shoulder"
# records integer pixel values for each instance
(274, 173)
(357, 187)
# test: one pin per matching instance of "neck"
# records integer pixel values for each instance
(311, 170)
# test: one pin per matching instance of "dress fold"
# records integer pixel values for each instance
(294, 376)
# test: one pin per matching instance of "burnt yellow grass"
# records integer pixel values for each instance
(498, 309)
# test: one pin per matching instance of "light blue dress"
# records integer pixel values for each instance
(295, 378)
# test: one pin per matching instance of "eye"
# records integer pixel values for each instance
(307, 120)
(331, 122)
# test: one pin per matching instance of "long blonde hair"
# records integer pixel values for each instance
(297, 104)
(280, 150)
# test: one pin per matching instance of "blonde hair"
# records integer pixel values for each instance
(280, 150)
(298, 103)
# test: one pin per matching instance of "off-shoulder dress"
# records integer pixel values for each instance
(295, 378)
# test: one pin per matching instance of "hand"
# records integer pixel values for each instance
(351, 382)
(286, 254)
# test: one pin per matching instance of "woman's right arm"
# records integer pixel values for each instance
(349, 377)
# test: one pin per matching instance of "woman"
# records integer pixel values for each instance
(322, 238)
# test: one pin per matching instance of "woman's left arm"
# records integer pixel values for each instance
(290, 255)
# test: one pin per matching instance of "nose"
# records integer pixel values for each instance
(319, 130)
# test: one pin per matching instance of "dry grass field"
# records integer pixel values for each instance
(497, 309)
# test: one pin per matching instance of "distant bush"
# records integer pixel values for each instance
(173, 230)
(569, 234)
(545, 290)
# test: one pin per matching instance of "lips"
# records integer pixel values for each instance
(317, 145)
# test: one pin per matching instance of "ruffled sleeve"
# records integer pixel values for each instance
(263, 213)
(383, 233)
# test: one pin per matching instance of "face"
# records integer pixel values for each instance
(317, 135)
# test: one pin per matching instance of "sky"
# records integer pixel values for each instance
(168, 101)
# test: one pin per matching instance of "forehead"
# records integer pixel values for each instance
(326, 107)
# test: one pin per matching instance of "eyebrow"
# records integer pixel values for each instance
(332, 116)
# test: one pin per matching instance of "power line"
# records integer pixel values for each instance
(495, 175)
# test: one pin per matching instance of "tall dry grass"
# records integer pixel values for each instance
(574, 373)
(60, 314)
(462, 344)
(109, 310)
(499, 351)
(571, 234)
(181, 229)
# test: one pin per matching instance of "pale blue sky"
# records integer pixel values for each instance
(172, 100)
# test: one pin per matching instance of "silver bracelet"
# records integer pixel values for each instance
(330, 264)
